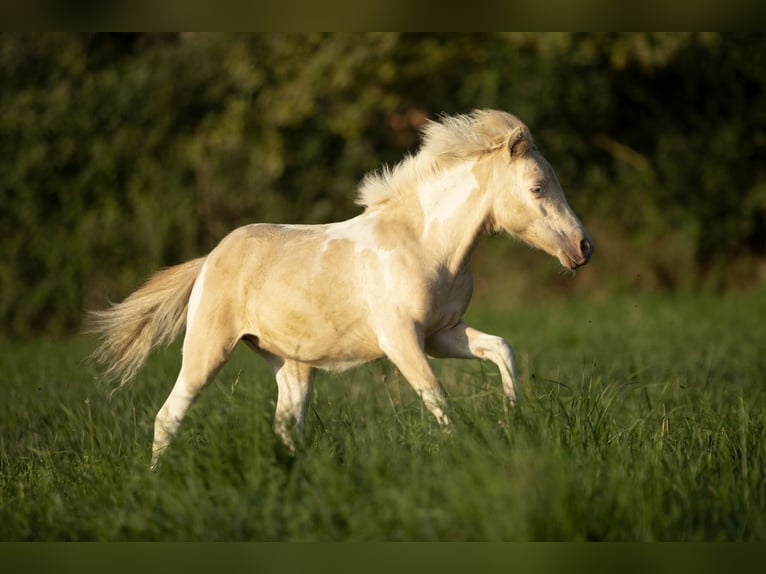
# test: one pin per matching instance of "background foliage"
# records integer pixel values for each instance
(122, 153)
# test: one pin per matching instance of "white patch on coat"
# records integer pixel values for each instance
(196, 296)
(360, 231)
(442, 197)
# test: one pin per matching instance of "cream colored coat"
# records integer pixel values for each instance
(392, 282)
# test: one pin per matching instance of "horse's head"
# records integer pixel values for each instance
(530, 204)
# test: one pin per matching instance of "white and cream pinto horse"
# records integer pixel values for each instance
(391, 282)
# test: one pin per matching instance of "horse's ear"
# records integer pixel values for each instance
(518, 142)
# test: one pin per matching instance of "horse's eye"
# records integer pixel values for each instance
(537, 190)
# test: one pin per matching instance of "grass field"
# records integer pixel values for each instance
(644, 419)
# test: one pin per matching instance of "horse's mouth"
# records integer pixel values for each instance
(571, 262)
(573, 257)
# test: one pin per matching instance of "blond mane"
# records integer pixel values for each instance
(445, 142)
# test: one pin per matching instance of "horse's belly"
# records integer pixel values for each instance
(322, 344)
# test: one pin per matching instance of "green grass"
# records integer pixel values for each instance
(644, 419)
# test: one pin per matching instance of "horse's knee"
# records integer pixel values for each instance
(493, 348)
(506, 351)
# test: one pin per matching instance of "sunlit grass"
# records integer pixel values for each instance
(642, 419)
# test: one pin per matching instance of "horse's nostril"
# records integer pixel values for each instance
(585, 248)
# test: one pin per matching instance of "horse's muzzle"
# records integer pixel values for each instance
(579, 257)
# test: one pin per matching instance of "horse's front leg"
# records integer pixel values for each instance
(464, 342)
(404, 347)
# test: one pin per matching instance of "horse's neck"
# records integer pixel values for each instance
(448, 212)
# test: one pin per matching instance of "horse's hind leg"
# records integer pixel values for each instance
(294, 384)
(204, 353)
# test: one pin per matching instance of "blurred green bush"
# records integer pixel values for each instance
(123, 153)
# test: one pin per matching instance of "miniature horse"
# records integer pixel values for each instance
(391, 282)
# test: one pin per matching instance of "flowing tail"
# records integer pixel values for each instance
(152, 316)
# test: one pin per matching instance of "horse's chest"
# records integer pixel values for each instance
(449, 301)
